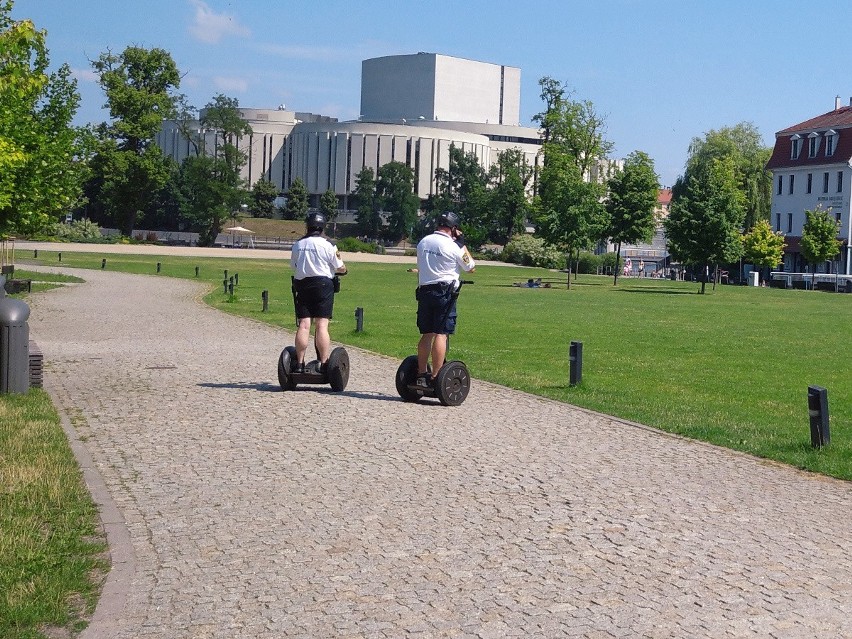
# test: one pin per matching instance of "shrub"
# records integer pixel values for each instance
(354, 245)
(529, 250)
(77, 231)
(588, 263)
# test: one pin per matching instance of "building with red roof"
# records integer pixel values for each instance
(811, 167)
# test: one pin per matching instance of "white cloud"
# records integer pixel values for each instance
(305, 52)
(211, 27)
(226, 84)
(84, 75)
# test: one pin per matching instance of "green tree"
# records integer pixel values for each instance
(509, 203)
(762, 246)
(571, 215)
(263, 195)
(214, 188)
(707, 212)
(743, 145)
(395, 191)
(819, 237)
(631, 203)
(138, 85)
(43, 159)
(367, 216)
(330, 208)
(461, 187)
(297, 200)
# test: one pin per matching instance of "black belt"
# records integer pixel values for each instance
(436, 286)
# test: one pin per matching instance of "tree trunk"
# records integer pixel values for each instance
(617, 263)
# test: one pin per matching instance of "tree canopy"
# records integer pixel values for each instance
(43, 158)
(631, 202)
(819, 236)
(762, 246)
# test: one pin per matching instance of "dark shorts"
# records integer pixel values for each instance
(314, 297)
(436, 309)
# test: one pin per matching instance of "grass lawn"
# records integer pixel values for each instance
(729, 367)
(50, 540)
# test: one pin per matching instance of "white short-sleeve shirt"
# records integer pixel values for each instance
(314, 256)
(440, 259)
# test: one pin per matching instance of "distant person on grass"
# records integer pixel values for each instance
(441, 257)
(316, 262)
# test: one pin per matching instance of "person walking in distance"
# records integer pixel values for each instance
(316, 263)
(441, 257)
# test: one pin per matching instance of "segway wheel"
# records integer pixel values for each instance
(285, 367)
(452, 383)
(406, 375)
(338, 369)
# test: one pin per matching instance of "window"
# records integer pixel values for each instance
(825, 182)
(830, 142)
(840, 181)
(777, 221)
(837, 217)
(789, 222)
(795, 146)
(810, 181)
(780, 184)
(792, 177)
(813, 145)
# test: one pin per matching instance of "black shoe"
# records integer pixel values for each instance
(313, 368)
(424, 380)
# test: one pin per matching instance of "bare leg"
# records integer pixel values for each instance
(322, 339)
(424, 347)
(439, 352)
(303, 332)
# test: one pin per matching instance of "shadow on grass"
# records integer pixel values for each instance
(658, 291)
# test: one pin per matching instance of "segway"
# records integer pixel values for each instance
(450, 386)
(335, 372)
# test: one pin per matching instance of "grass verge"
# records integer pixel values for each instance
(51, 546)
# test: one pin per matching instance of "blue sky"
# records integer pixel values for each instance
(660, 71)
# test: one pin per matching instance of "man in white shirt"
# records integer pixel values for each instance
(316, 262)
(441, 257)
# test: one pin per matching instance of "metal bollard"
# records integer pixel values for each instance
(236, 279)
(359, 319)
(575, 357)
(14, 343)
(225, 284)
(196, 271)
(818, 411)
(158, 267)
(231, 288)
(265, 297)
(226, 273)
(35, 252)
(60, 257)
(103, 263)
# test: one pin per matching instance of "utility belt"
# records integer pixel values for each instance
(437, 286)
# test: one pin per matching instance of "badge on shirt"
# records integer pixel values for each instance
(466, 257)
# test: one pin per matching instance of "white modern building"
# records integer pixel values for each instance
(811, 166)
(413, 109)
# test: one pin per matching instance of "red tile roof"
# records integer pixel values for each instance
(840, 120)
(664, 196)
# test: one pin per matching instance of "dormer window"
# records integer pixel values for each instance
(795, 146)
(830, 142)
(813, 144)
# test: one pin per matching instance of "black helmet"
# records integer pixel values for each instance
(449, 218)
(315, 222)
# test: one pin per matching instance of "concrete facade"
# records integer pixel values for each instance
(448, 102)
(810, 167)
(431, 86)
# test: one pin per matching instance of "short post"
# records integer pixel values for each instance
(359, 320)
(236, 279)
(231, 288)
(103, 263)
(818, 411)
(225, 284)
(35, 252)
(226, 273)
(60, 257)
(196, 271)
(265, 297)
(575, 357)
(158, 267)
